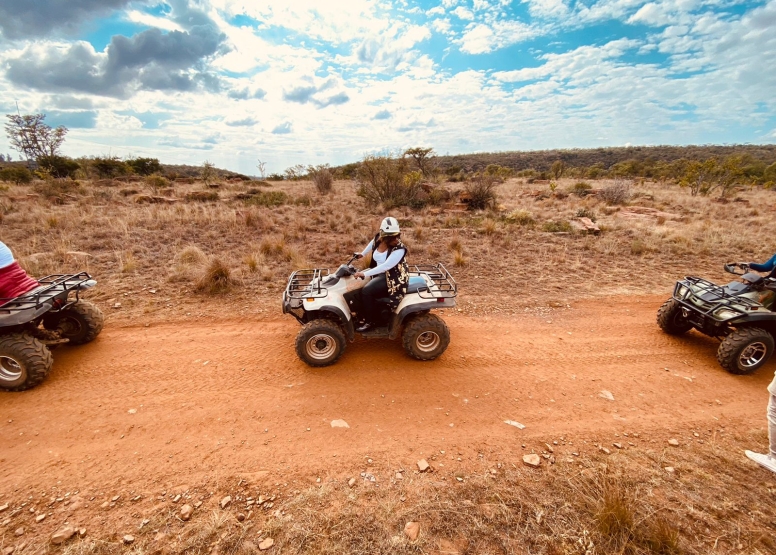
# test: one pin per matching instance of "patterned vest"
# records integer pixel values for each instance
(398, 277)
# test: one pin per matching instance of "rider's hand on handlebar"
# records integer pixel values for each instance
(358, 255)
(743, 265)
(359, 275)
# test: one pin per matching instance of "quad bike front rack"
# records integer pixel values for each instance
(698, 288)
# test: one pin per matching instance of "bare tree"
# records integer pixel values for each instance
(262, 166)
(32, 137)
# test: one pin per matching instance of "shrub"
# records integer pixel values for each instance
(586, 213)
(109, 166)
(202, 196)
(304, 200)
(157, 182)
(144, 166)
(59, 166)
(482, 193)
(388, 180)
(520, 217)
(54, 190)
(322, 178)
(618, 192)
(16, 174)
(268, 199)
(191, 255)
(581, 188)
(557, 226)
(216, 278)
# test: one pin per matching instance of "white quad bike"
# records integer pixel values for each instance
(328, 304)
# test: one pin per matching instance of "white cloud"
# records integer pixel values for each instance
(463, 13)
(547, 8)
(482, 38)
(136, 16)
(437, 10)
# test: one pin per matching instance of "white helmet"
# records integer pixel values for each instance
(389, 227)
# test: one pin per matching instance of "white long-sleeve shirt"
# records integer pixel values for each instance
(384, 262)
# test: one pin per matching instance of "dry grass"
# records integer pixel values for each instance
(216, 278)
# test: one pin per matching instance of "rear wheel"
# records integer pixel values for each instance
(745, 350)
(320, 343)
(425, 337)
(671, 320)
(80, 323)
(24, 362)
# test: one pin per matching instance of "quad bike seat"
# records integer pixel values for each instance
(416, 283)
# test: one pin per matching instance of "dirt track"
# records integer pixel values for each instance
(169, 404)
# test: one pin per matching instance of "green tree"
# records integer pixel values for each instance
(59, 166)
(423, 159)
(208, 172)
(557, 169)
(30, 135)
(145, 166)
(699, 176)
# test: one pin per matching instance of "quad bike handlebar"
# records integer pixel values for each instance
(730, 267)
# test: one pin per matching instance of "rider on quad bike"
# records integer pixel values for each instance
(14, 281)
(388, 270)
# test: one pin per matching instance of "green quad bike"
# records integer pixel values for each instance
(740, 313)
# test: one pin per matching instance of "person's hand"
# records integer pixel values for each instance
(358, 255)
(744, 265)
(359, 275)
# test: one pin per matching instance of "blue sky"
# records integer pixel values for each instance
(310, 81)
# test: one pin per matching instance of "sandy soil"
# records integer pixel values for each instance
(148, 408)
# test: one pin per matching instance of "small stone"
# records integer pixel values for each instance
(105, 505)
(82, 532)
(423, 465)
(606, 395)
(40, 518)
(19, 531)
(514, 423)
(62, 535)
(670, 469)
(198, 504)
(617, 445)
(412, 530)
(339, 424)
(240, 517)
(351, 482)
(532, 459)
(226, 501)
(186, 512)
(8, 550)
(176, 498)
(673, 442)
(115, 498)
(605, 450)
(399, 476)
(3, 507)
(128, 539)
(266, 544)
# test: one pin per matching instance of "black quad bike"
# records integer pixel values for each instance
(30, 325)
(740, 313)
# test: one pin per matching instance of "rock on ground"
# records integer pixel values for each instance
(352, 482)
(412, 530)
(186, 512)
(62, 535)
(128, 539)
(339, 424)
(673, 442)
(533, 460)
(423, 465)
(226, 501)
(266, 544)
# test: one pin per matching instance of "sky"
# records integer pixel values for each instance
(238, 82)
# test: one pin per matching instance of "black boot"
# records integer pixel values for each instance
(366, 326)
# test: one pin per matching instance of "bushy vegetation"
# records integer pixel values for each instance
(388, 180)
(481, 190)
(15, 174)
(268, 199)
(144, 166)
(322, 178)
(59, 166)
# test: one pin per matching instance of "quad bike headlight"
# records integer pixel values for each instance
(725, 314)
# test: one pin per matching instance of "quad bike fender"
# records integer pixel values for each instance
(405, 310)
(342, 317)
(23, 316)
(763, 321)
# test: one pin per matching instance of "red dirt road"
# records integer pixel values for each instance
(169, 404)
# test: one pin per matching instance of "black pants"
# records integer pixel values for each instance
(377, 288)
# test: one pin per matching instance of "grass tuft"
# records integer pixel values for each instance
(216, 278)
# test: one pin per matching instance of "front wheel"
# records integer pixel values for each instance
(79, 323)
(671, 320)
(320, 343)
(745, 350)
(24, 362)
(425, 337)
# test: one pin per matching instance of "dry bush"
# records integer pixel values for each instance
(322, 178)
(455, 244)
(268, 199)
(520, 217)
(201, 196)
(156, 182)
(482, 192)
(216, 278)
(557, 226)
(418, 232)
(191, 255)
(127, 262)
(386, 180)
(460, 260)
(489, 227)
(617, 193)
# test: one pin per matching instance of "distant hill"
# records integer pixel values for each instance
(605, 157)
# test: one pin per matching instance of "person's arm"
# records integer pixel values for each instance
(368, 248)
(390, 262)
(765, 266)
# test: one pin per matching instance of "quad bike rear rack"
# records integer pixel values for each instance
(445, 286)
(50, 286)
(695, 287)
